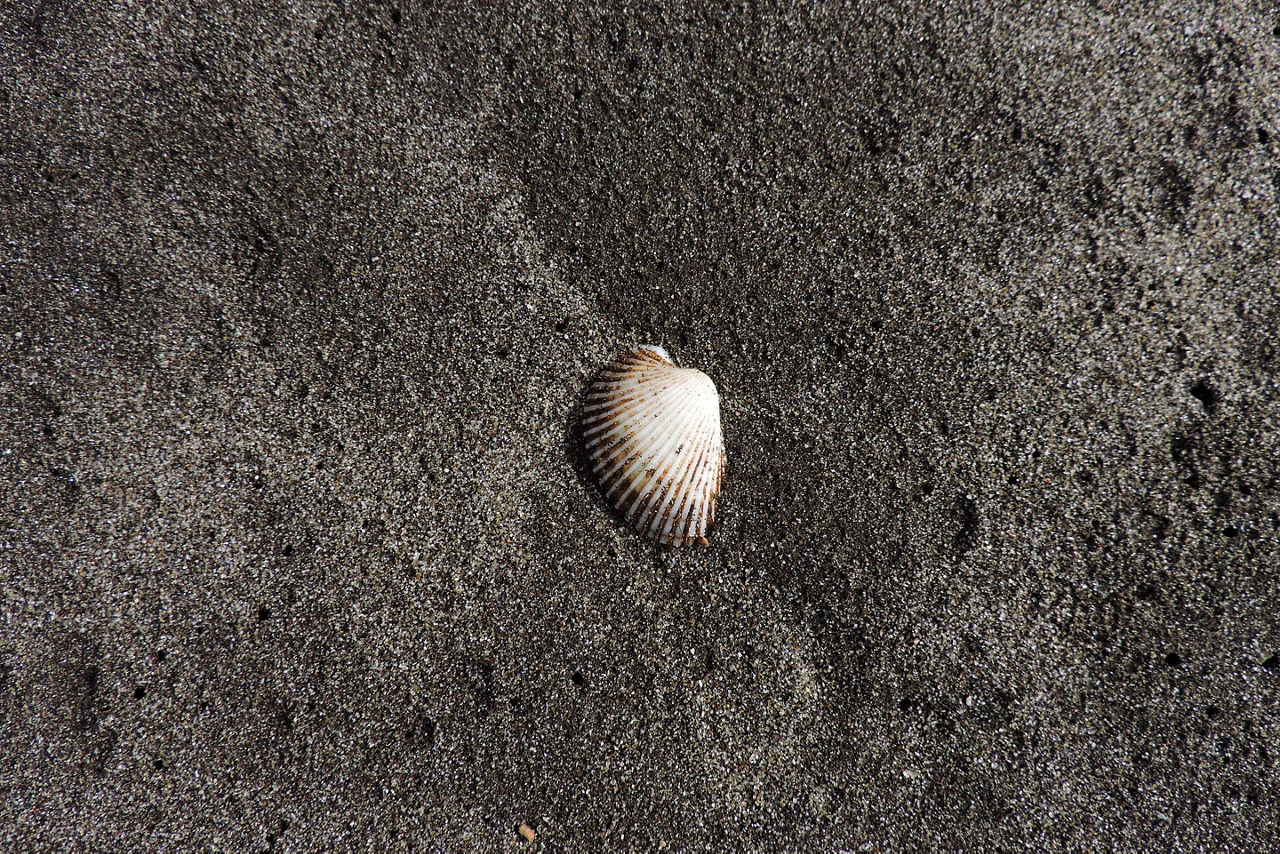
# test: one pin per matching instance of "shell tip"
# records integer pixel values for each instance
(661, 352)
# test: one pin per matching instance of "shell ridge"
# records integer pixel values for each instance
(694, 459)
(617, 403)
(673, 431)
(666, 479)
(649, 406)
(683, 492)
(602, 429)
(661, 525)
(711, 487)
(677, 431)
(614, 416)
(695, 523)
(658, 509)
(706, 471)
(698, 516)
(632, 420)
(619, 453)
(687, 497)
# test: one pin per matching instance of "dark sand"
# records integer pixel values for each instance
(295, 311)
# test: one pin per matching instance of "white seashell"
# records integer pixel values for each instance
(652, 433)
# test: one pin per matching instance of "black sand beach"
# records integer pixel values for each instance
(296, 308)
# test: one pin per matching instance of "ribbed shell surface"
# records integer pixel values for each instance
(652, 433)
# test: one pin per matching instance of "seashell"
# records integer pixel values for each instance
(652, 433)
